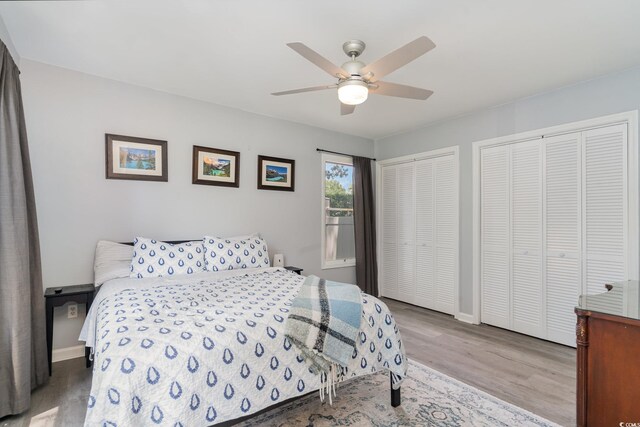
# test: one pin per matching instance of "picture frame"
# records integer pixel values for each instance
(275, 173)
(133, 158)
(214, 166)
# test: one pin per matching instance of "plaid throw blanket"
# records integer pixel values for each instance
(323, 323)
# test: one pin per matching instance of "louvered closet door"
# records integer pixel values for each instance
(562, 190)
(446, 236)
(406, 233)
(389, 236)
(605, 206)
(494, 236)
(527, 297)
(425, 219)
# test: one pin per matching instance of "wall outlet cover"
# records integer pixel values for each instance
(72, 311)
(278, 260)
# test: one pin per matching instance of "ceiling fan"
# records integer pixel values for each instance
(356, 79)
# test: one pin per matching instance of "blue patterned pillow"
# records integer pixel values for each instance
(232, 253)
(152, 258)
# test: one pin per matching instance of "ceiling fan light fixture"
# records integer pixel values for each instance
(353, 92)
(355, 78)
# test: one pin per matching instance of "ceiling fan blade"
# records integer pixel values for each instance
(306, 89)
(401, 91)
(319, 60)
(398, 58)
(346, 109)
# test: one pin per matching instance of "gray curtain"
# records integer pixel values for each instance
(23, 347)
(364, 221)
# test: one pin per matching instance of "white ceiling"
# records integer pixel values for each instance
(233, 52)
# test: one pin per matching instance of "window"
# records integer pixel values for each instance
(338, 240)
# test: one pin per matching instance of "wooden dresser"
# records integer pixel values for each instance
(608, 342)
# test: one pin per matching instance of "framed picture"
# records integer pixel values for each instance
(276, 174)
(212, 166)
(128, 157)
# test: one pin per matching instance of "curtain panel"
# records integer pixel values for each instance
(365, 226)
(23, 348)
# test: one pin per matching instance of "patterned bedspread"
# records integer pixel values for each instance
(200, 352)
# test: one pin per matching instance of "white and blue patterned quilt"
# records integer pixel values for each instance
(207, 349)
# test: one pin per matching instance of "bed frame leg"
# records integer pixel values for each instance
(395, 394)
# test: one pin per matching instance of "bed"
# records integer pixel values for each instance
(209, 348)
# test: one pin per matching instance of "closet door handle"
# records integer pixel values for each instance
(525, 253)
(562, 255)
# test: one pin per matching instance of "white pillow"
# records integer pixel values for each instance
(112, 261)
(242, 237)
(232, 253)
(152, 258)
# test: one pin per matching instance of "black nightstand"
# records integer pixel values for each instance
(294, 269)
(81, 294)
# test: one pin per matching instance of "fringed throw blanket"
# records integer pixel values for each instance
(323, 323)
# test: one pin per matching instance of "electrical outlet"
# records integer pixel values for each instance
(72, 311)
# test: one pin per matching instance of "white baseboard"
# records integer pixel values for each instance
(467, 318)
(60, 354)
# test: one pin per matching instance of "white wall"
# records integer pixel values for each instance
(606, 95)
(67, 115)
(6, 39)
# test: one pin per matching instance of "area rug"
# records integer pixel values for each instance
(429, 398)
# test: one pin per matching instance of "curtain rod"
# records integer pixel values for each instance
(341, 154)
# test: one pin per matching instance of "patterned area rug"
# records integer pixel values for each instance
(429, 398)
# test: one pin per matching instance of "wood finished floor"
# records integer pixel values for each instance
(61, 402)
(533, 374)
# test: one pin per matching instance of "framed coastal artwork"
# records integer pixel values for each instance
(275, 173)
(213, 166)
(128, 157)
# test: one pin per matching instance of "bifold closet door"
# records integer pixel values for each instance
(511, 239)
(605, 203)
(425, 219)
(406, 233)
(527, 296)
(562, 189)
(420, 232)
(389, 252)
(436, 199)
(495, 271)
(553, 225)
(446, 232)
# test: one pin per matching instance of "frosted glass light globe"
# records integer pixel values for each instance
(353, 92)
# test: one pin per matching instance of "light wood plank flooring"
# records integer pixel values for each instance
(61, 402)
(533, 374)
